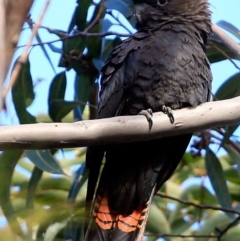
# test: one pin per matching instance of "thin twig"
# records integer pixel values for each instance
(97, 18)
(50, 30)
(230, 225)
(202, 196)
(225, 38)
(24, 56)
(181, 236)
(225, 55)
(78, 34)
(234, 145)
(201, 206)
(119, 21)
(120, 129)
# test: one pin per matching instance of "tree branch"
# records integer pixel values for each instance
(200, 206)
(23, 58)
(224, 54)
(16, 13)
(230, 225)
(119, 129)
(182, 236)
(227, 40)
(78, 34)
(12, 17)
(97, 18)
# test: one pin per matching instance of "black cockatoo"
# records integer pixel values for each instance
(162, 66)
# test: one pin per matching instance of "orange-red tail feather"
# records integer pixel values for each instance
(106, 225)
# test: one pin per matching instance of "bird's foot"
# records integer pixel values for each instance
(148, 114)
(168, 111)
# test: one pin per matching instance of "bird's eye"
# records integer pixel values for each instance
(162, 2)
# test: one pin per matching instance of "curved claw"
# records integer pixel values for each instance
(168, 111)
(148, 114)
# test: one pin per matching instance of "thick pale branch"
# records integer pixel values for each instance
(12, 16)
(24, 56)
(119, 129)
(227, 40)
(16, 13)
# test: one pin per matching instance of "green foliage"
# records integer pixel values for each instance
(217, 178)
(23, 95)
(52, 206)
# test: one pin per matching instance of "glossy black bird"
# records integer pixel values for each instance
(163, 65)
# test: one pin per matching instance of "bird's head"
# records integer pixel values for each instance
(150, 13)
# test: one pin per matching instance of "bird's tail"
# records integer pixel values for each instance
(107, 225)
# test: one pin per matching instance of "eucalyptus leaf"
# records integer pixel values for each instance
(32, 187)
(57, 87)
(54, 48)
(23, 94)
(83, 85)
(218, 180)
(123, 6)
(94, 44)
(79, 180)
(218, 51)
(98, 64)
(232, 234)
(234, 154)
(157, 222)
(42, 46)
(219, 220)
(229, 89)
(58, 109)
(193, 193)
(44, 161)
(62, 183)
(81, 14)
(229, 130)
(73, 49)
(106, 25)
(8, 161)
(53, 230)
(107, 47)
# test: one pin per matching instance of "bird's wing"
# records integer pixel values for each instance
(117, 75)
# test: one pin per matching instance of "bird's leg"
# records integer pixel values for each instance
(168, 111)
(148, 114)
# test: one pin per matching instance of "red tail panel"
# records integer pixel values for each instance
(102, 214)
(110, 226)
